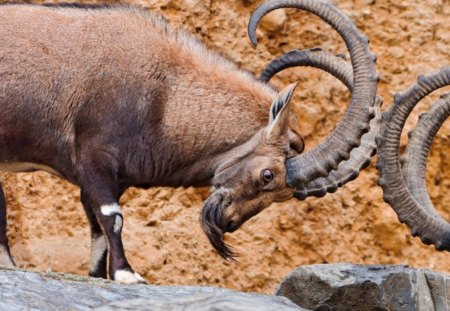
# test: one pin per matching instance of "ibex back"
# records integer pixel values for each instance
(109, 98)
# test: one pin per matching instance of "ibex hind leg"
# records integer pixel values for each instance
(5, 254)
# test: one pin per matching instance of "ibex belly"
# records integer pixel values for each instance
(23, 167)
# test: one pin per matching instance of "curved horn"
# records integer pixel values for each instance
(317, 58)
(347, 170)
(431, 228)
(359, 157)
(417, 150)
(347, 135)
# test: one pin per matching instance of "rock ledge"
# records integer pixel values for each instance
(366, 287)
(26, 290)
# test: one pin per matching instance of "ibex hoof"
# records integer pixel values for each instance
(5, 258)
(128, 277)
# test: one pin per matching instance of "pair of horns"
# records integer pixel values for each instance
(403, 179)
(340, 157)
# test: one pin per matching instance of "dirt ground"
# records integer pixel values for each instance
(162, 236)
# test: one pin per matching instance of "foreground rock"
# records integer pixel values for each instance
(225, 300)
(358, 287)
(318, 287)
(25, 290)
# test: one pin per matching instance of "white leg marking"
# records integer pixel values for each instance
(118, 224)
(98, 248)
(128, 277)
(5, 260)
(111, 209)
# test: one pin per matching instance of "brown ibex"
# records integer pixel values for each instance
(114, 97)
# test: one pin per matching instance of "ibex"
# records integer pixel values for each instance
(109, 98)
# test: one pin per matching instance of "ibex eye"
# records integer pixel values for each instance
(267, 175)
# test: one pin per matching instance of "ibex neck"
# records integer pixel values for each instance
(207, 125)
(201, 172)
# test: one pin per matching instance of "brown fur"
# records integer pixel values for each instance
(114, 97)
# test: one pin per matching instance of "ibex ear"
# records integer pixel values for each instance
(279, 113)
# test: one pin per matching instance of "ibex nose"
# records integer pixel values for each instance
(231, 226)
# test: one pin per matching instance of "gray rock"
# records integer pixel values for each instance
(227, 300)
(26, 290)
(359, 287)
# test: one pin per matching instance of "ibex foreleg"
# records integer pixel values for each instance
(100, 198)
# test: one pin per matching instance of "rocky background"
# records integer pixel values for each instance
(162, 236)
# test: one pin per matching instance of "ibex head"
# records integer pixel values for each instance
(268, 168)
(253, 175)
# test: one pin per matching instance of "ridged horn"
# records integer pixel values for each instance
(418, 148)
(347, 170)
(359, 157)
(317, 58)
(429, 226)
(319, 161)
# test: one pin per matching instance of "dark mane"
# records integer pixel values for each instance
(75, 5)
(87, 6)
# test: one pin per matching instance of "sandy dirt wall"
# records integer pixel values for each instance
(162, 236)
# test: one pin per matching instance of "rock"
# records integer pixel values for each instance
(25, 290)
(397, 52)
(363, 288)
(274, 21)
(224, 300)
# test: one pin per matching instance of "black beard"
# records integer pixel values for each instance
(211, 219)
